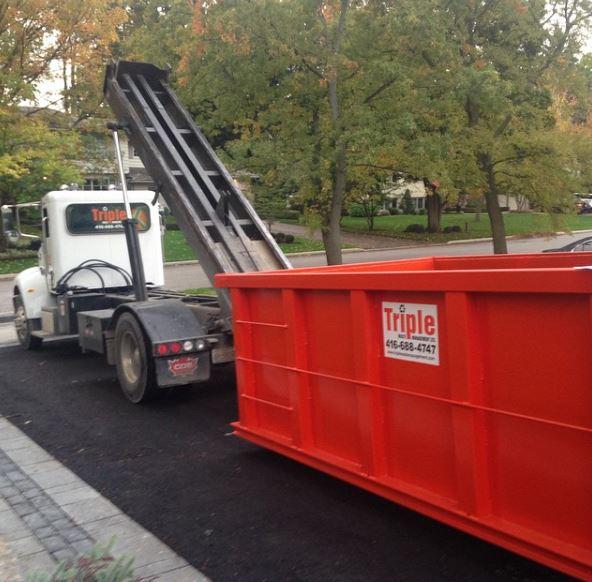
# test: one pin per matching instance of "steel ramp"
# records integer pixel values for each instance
(217, 220)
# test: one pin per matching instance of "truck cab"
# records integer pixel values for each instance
(81, 227)
(83, 249)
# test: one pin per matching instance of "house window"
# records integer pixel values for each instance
(101, 183)
(420, 203)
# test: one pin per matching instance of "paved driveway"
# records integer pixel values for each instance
(233, 510)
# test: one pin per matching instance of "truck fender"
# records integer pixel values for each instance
(31, 285)
(165, 320)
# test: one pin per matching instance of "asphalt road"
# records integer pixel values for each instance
(233, 510)
(190, 276)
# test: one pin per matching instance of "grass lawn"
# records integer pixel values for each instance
(516, 224)
(16, 265)
(177, 249)
(200, 291)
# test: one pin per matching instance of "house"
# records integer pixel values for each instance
(395, 191)
(97, 162)
(99, 167)
(396, 188)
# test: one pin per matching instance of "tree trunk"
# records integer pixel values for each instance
(332, 242)
(434, 207)
(332, 229)
(496, 218)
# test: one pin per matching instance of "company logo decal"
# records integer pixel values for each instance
(410, 332)
(183, 366)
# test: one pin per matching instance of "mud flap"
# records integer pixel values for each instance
(183, 369)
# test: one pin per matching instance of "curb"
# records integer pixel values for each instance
(517, 237)
(6, 317)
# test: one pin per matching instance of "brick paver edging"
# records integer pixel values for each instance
(48, 522)
(47, 514)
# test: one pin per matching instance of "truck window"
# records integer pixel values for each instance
(104, 218)
(45, 221)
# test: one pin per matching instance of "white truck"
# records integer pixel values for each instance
(100, 275)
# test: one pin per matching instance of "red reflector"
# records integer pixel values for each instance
(175, 347)
(162, 349)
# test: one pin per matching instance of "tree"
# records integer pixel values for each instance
(462, 93)
(507, 51)
(367, 192)
(34, 159)
(298, 82)
(157, 31)
(37, 146)
(434, 206)
(36, 36)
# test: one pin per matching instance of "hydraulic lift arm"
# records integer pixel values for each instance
(216, 218)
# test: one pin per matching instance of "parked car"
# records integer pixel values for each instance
(584, 204)
(581, 245)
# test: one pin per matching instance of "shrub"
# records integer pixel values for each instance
(279, 237)
(12, 254)
(421, 211)
(383, 212)
(417, 228)
(288, 214)
(395, 211)
(289, 238)
(449, 229)
(356, 210)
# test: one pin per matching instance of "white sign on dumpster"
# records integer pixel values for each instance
(410, 332)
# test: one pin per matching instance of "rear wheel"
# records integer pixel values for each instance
(135, 366)
(23, 326)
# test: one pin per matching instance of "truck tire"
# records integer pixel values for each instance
(135, 366)
(23, 326)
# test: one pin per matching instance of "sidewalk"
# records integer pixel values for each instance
(48, 514)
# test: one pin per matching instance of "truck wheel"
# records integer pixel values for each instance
(135, 368)
(23, 327)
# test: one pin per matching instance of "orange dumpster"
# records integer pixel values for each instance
(458, 387)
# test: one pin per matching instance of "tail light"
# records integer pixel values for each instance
(174, 348)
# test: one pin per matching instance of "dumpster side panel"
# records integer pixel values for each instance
(539, 474)
(538, 355)
(473, 407)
